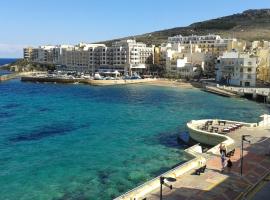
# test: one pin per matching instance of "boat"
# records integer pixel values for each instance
(98, 77)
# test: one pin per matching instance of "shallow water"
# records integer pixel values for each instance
(82, 142)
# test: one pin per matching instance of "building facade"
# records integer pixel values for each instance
(186, 69)
(124, 56)
(201, 51)
(28, 53)
(235, 68)
(262, 50)
(206, 43)
(82, 57)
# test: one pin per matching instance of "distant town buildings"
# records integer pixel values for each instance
(235, 68)
(213, 44)
(229, 60)
(125, 55)
(262, 50)
(200, 51)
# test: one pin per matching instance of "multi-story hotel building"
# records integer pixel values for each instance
(199, 50)
(262, 50)
(125, 56)
(81, 57)
(235, 68)
(207, 43)
(47, 54)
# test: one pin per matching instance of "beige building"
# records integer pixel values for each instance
(124, 56)
(202, 60)
(200, 51)
(213, 44)
(28, 53)
(235, 68)
(263, 71)
(260, 44)
(82, 57)
(236, 45)
(262, 50)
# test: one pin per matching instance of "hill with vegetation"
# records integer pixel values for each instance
(249, 25)
(23, 65)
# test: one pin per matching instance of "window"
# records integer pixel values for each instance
(247, 84)
(241, 69)
(249, 69)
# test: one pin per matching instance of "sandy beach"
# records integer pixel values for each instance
(170, 83)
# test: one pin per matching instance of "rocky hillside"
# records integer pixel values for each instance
(249, 25)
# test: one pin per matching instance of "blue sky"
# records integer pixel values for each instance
(36, 22)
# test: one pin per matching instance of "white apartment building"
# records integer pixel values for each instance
(124, 56)
(131, 55)
(235, 68)
(182, 67)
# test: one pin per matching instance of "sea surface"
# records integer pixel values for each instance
(81, 142)
(4, 61)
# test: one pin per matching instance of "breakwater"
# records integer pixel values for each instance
(255, 93)
(85, 81)
(7, 77)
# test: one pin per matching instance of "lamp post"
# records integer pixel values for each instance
(162, 182)
(242, 150)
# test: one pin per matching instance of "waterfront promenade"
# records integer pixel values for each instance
(213, 184)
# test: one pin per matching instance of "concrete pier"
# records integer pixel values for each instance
(86, 81)
(257, 94)
(219, 91)
(14, 75)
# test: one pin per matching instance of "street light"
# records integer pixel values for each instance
(162, 182)
(242, 151)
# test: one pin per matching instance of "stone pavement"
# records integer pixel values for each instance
(263, 193)
(214, 184)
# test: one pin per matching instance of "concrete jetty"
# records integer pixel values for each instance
(85, 81)
(7, 77)
(218, 91)
(255, 93)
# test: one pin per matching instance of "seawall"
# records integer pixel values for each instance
(86, 81)
(13, 76)
(139, 192)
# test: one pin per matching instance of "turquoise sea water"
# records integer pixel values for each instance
(4, 61)
(82, 142)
